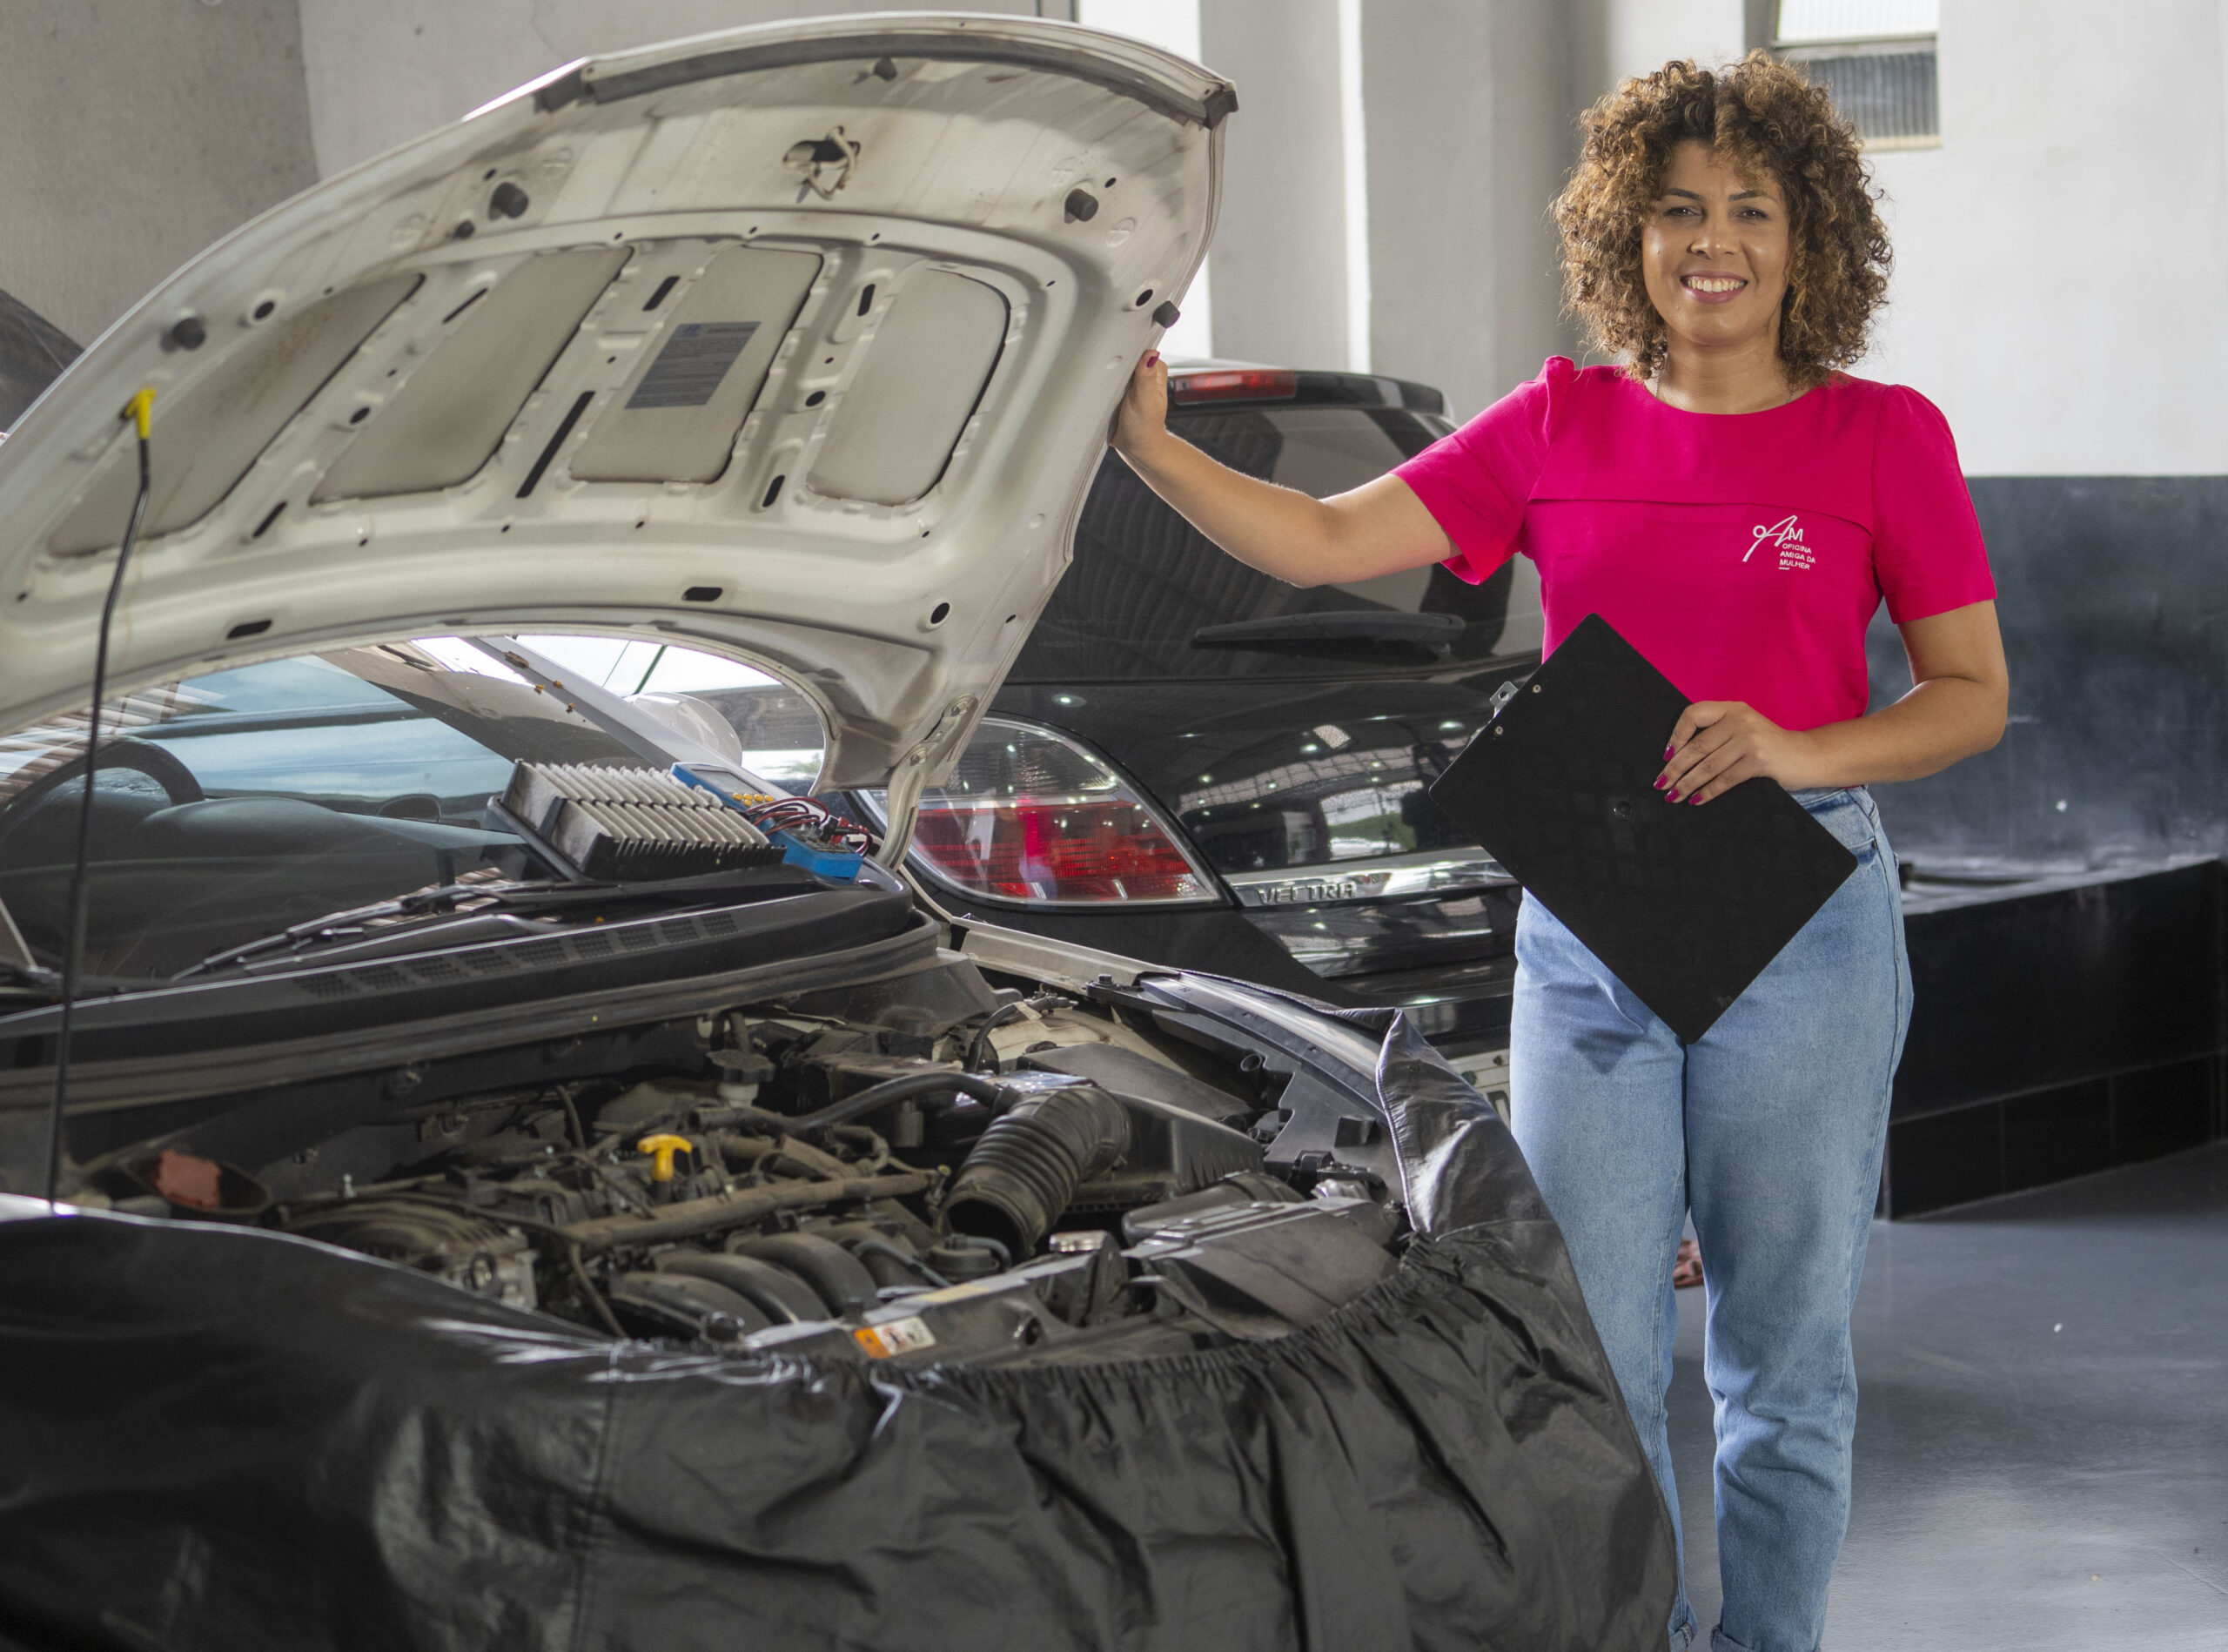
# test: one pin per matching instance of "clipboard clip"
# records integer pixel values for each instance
(1502, 695)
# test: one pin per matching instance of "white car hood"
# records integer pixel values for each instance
(798, 341)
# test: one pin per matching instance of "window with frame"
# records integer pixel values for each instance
(1876, 58)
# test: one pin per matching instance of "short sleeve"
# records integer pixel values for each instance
(1926, 539)
(1476, 482)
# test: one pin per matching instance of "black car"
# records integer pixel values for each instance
(1195, 763)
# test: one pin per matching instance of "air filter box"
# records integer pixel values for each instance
(632, 824)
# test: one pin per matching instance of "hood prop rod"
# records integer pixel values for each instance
(140, 411)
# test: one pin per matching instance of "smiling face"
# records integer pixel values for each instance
(1713, 254)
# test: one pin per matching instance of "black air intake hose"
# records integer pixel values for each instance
(1029, 1163)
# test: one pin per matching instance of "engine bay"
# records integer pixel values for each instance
(929, 1168)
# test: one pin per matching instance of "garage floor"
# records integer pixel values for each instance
(2041, 1442)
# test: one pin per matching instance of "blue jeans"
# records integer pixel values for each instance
(1770, 1129)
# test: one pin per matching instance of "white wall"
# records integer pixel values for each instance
(136, 132)
(2061, 282)
(1279, 257)
(1465, 136)
(1470, 134)
(1636, 36)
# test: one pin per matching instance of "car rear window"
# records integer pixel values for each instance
(1143, 581)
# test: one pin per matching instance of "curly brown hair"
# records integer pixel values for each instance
(1763, 117)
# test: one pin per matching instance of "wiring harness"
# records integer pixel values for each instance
(805, 817)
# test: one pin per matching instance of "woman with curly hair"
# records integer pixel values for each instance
(1737, 507)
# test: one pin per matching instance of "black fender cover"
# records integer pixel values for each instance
(221, 1438)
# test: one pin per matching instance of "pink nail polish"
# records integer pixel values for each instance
(1668, 750)
(1660, 782)
(1671, 797)
(1693, 800)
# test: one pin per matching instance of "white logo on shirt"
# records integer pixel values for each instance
(1787, 537)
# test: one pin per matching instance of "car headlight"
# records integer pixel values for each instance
(1030, 816)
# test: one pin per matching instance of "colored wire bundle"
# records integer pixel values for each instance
(806, 818)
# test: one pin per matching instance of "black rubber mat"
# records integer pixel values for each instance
(1685, 905)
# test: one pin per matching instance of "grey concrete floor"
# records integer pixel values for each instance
(2042, 1436)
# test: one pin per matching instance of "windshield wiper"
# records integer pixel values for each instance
(32, 978)
(447, 899)
(1434, 633)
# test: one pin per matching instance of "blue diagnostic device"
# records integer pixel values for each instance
(822, 859)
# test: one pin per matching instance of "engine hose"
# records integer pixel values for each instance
(723, 1211)
(1027, 1165)
(589, 1294)
(906, 1262)
(980, 1042)
(882, 1095)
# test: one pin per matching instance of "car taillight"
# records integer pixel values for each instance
(1029, 816)
(1232, 384)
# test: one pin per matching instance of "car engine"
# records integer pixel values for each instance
(931, 1170)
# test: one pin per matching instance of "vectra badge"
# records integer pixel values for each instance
(1313, 891)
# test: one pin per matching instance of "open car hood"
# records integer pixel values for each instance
(799, 341)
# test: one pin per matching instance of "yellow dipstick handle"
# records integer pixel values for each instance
(140, 410)
(662, 1147)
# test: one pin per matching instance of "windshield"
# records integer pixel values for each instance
(1145, 581)
(230, 806)
(779, 731)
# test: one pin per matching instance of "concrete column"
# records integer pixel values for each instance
(137, 134)
(1469, 137)
(1636, 36)
(1279, 256)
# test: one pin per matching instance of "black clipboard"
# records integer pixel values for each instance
(1685, 905)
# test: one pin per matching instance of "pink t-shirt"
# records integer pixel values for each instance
(1743, 554)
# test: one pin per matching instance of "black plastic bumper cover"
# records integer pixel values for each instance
(220, 1438)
